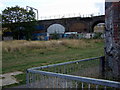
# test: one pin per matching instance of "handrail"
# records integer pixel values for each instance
(53, 65)
(103, 82)
(80, 78)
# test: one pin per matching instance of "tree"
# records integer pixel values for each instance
(17, 14)
(20, 21)
(23, 30)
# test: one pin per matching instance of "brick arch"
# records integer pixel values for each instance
(78, 27)
(95, 23)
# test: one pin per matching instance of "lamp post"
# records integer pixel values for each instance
(34, 9)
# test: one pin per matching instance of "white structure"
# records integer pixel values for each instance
(56, 28)
(71, 33)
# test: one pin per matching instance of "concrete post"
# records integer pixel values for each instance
(112, 40)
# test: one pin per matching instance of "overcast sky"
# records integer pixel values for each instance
(58, 7)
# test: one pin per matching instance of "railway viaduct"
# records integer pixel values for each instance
(75, 24)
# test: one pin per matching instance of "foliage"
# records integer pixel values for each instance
(55, 36)
(23, 30)
(97, 35)
(19, 21)
(17, 14)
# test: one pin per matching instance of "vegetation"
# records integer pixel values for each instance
(17, 14)
(14, 22)
(20, 55)
(97, 35)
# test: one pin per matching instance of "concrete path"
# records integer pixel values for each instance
(7, 79)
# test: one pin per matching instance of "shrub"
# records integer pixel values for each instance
(97, 35)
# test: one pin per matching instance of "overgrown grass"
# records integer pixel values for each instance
(20, 55)
(18, 45)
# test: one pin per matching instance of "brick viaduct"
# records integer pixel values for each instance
(75, 24)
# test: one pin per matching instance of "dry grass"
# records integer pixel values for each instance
(19, 55)
(76, 43)
(17, 45)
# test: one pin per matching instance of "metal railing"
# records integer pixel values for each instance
(72, 15)
(69, 75)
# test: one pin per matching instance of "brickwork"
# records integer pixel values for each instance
(78, 27)
(76, 24)
(112, 40)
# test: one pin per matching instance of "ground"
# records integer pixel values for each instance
(8, 78)
(21, 55)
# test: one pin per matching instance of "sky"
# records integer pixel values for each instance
(58, 8)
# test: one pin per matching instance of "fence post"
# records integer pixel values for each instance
(102, 66)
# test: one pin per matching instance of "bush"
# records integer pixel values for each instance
(97, 35)
(55, 36)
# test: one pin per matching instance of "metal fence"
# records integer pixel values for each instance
(70, 15)
(70, 75)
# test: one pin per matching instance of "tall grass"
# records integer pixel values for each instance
(17, 45)
(19, 55)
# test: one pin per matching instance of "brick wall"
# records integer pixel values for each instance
(112, 39)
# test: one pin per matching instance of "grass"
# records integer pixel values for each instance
(21, 55)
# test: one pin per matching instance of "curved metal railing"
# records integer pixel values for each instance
(68, 75)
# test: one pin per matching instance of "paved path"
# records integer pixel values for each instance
(7, 79)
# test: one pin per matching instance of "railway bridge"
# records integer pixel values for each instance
(75, 24)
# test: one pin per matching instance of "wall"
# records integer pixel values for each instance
(112, 40)
(78, 27)
(76, 24)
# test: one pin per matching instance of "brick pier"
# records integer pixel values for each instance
(112, 40)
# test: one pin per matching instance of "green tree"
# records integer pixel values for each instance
(17, 14)
(20, 21)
